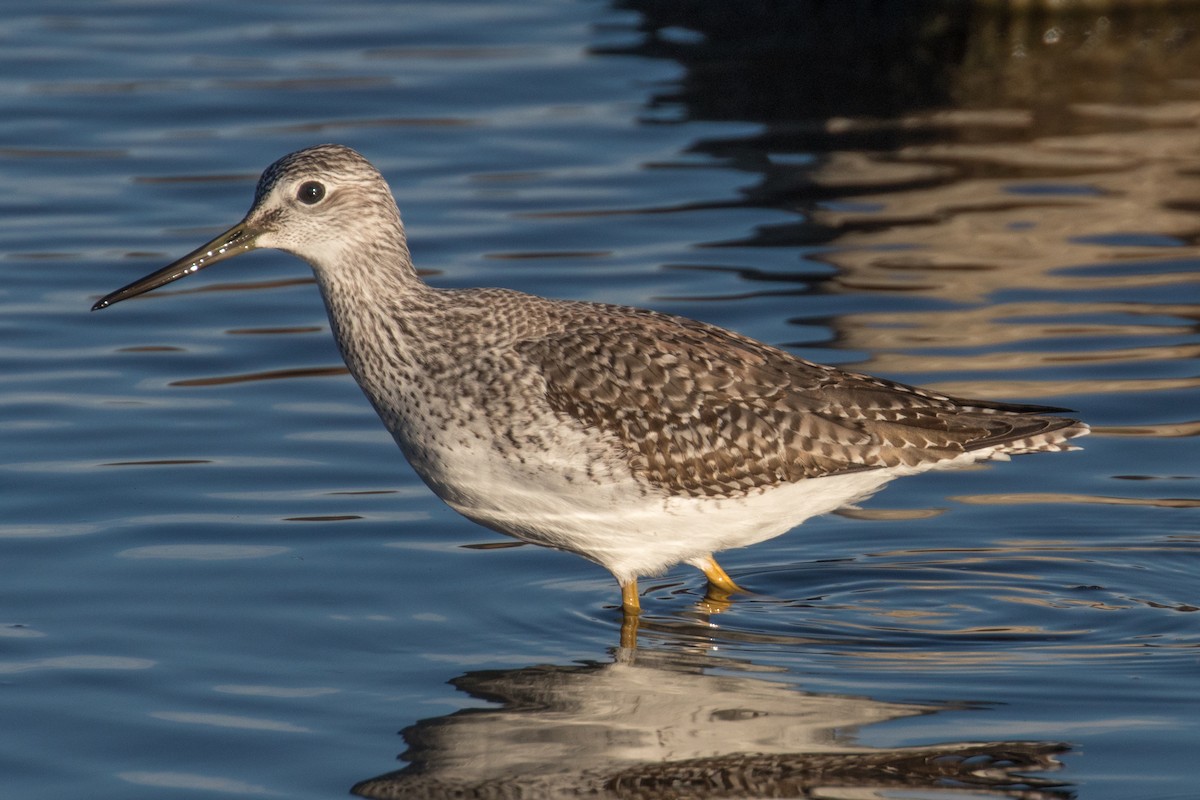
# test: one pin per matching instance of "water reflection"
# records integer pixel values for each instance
(686, 725)
(973, 162)
(812, 60)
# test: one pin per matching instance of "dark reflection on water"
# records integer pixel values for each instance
(811, 60)
(659, 724)
(273, 375)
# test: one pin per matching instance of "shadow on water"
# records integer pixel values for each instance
(656, 723)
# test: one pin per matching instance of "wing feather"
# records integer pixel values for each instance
(702, 411)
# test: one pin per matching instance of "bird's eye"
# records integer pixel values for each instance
(310, 192)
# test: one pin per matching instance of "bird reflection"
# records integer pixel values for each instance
(664, 724)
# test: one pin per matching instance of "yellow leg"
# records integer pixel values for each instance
(631, 604)
(629, 632)
(717, 577)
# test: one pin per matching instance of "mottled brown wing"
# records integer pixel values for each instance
(705, 412)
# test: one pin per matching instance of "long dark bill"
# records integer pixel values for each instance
(235, 241)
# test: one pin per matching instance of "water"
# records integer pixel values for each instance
(219, 578)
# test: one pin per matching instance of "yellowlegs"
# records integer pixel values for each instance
(636, 439)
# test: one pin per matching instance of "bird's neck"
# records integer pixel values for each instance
(383, 315)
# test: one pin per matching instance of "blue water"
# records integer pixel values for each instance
(219, 578)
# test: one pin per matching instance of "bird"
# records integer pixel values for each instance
(634, 438)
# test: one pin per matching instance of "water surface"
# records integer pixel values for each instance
(218, 577)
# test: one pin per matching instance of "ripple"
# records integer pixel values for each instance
(18, 631)
(164, 462)
(1024, 498)
(204, 552)
(233, 721)
(46, 530)
(188, 780)
(268, 375)
(276, 691)
(76, 663)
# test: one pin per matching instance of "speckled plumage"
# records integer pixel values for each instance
(634, 438)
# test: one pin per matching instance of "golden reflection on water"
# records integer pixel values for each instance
(977, 238)
(1025, 498)
(1076, 202)
(1162, 431)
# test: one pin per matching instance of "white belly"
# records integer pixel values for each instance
(573, 492)
(632, 533)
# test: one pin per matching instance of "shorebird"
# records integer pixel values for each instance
(633, 438)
